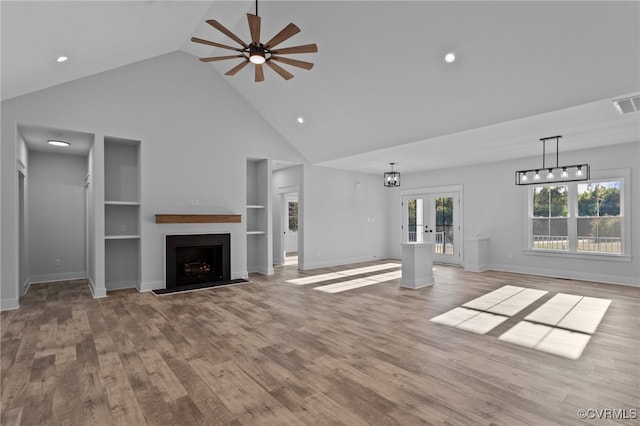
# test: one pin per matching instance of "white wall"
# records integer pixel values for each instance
(56, 216)
(345, 217)
(495, 206)
(195, 139)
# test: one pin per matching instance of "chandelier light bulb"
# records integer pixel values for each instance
(537, 175)
(579, 172)
(564, 173)
(524, 177)
(550, 174)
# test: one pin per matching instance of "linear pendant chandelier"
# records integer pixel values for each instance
(554, 174)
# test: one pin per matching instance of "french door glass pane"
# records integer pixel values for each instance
(415, 220)
(444, 225)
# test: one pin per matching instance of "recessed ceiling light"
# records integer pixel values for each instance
(300, 120)
(450, 57)
(62, 59)
(58, 143)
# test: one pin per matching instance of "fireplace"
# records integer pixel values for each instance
(196, 259)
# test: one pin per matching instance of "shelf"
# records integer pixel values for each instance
(122, 207)
(121, 237)
(122, 203)
(255, 232)
(255, 207)
(198, 218)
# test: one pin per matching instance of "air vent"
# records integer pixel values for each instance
(624, 106)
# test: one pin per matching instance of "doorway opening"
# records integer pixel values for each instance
(53, 199)
(290, 222)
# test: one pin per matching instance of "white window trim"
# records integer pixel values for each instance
(624, 176)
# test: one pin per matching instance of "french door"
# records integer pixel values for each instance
(434, 218)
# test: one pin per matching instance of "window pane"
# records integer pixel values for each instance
(541, 202)
(444, 225)
(293, 216)
(600, 234)
(550, 201)
(558, 203)
(599, 199)
(550, 234)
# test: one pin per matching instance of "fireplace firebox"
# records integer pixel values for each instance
(197, 259)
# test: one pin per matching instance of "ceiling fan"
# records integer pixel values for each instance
(260, 53)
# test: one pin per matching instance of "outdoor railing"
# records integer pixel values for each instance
(590, 244)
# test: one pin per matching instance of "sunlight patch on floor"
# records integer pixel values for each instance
(561, 326)
(346, 273)
(360, 282)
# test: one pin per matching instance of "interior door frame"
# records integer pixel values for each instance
(282, 192)
(286, 199)
(434, 191)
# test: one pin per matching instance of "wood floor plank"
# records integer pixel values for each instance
(270, 352)
(239, 393)
(121, 398)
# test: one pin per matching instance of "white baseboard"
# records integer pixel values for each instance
(260, 270)
(9, 304)
(571, 275)
(26, 285)
(151, 285)
(96, 292)
(121, 285)
(65, 276)
(239, 275)
(476, 268)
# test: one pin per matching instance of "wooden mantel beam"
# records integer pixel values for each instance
(198, 218)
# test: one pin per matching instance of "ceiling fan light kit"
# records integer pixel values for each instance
(553, 174)
(260, 53)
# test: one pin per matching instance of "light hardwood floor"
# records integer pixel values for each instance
(270, 352)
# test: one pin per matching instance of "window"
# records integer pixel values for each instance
(578, 217)
(599, 219)
(293, 216)
(550, 218)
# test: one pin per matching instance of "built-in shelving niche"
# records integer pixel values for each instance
(259, 251)
(122, 213)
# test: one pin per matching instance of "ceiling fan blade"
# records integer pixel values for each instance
(286, 33)
(214, 44)
(277, 68)
(218, 26)
(237, 68)
(254, 28)
(220, 58)
(259, 73)
(306, 48)
(294, 62)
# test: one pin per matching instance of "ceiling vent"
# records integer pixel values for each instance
(627, 105)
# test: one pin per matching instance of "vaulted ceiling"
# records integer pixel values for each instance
(380, 89)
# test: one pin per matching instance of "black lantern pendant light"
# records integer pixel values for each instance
(392, 179)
